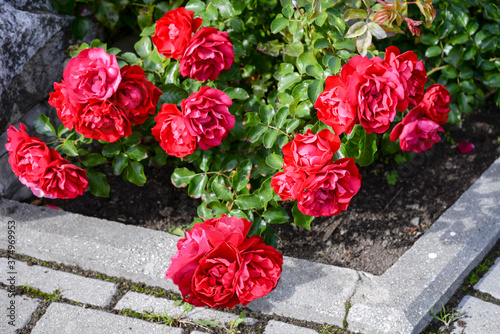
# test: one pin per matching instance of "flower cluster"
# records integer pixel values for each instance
(100, 100)
(202, 56)
(371, 91)
(321, 186)
(42, 169)
(216, 265)
(204, 121)
(418, 130)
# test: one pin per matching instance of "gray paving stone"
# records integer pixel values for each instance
(480, 317)
(140, 302)
(429, 272)
(490, 283)
(68, 319)
(24, 308)
(278, 327)
(78, 288)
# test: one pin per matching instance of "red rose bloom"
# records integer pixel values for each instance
(310, 152)
(67, 110)
(374, 90)
(288, 184)
(217, 266)
(136, 94)
(103, 120)
(435, 103)
(329, 191)
(416, 133)
(172, 132)
(209, 53)
(333, 108)
(173, 32)
(92, 75)
(62, 179)
(29, 156)
(261, 269)
(207, 116)
(412, 74)
(215, 279)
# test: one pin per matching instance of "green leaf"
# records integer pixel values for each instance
(62, 130)
(493, 80)
(43, 126)
(242, 175)
(314, 90)
(361, 146)
(459, 38)
(281, 116)
(275, 161)
(321, 43)
(137, 153)
(291, 125)
(276, 215)
(363, 43)
(197, 185)
(315, 71)
(228, 163)
(357, 29)
(270, 138)
(301, 219)
(133, 139)
(247, 202)
(220, 189)
(135, 173)
(172, 94)
(153, 61)
(376, 30)
(288, 80)
(97, 183)
(236, 93)
(334, 64)
(143, 47)
(148, 31)
(279, 23)
(129, 57)
(120, 162)
(352, 14)
(182, 177)
(449, 72)
(225, 8)
(110, 150)
(267, 113)
(69, 148)
(433, 51)
(107, 13)
(93, 159)
(305, 60)
(79, 27)
(294, 49)
(255, 132)
(195, 5)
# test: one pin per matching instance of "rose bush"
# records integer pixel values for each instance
(262, 102)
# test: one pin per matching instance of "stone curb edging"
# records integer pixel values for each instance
(398, 301)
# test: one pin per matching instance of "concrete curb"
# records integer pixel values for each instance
(399, 301)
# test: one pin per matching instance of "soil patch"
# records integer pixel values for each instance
(382, 221)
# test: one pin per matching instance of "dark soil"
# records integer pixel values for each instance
(382, 221)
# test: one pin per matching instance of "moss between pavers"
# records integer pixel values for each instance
(467, 288)
(124, 285)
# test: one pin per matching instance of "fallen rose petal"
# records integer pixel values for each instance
(465, 147)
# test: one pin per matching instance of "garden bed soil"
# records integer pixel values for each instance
(381, 223)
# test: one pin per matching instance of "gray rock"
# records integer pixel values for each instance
(31, 5)
(73, 287)
(23, 307)
(278, 327)
(68, 319)
(490, 283)
(415, 221)
(480, 317)
(146, 303)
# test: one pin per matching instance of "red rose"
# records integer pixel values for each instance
(103, 120)
(310, 152)
(374, 90)
(288, 184)
(207, 116)
(62, 179)
(217, 266)
(215, 279)
(92, 75)
(29, 156)
(173, 32)
(199, 241)
(434, 104)
(412, 74)
(209, 53)
(329, 191)
(172, 132)
(416, 133)
(67, 109)
(332, 106)
(137, 94)
(261, 269)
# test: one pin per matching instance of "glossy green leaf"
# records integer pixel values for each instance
(305, 60)
(314, 90)
(80, 27)
(143, 47)
(288, 80)
(110, 150)
(135, 173)
(270, 138)
(247, 202)
(69, 148)
(181, 177)
(43, 126)
(267, 113)
(275, 161)
(220, 189)
(197, 185)
(236, 93)
(97, 183)
(276, 215)
(137, 153)
(93, 159)
(301, 219)
(172, 94)
(279, 23)
(120, 162)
